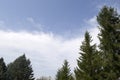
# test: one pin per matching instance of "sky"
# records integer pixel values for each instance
(48, 31)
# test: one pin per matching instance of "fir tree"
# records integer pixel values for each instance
(20, 69)
(59, 75)
(89, 62)
(109, 22)
(3, 69)
(64, 73)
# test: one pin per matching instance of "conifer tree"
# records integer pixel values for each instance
(89, 62)
(20, 69)
(109, 22)
(64, 73)
(3, 69)
(59, 75)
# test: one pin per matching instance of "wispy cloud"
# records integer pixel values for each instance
(92, 22)
(30, 19)
(29, 24)
(34, 24)
(2, 24)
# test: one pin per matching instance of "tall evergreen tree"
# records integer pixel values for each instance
(3, 69)
(20, 69)
(109, 37)
(64, 73)
(89, 62)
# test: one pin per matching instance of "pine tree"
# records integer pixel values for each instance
(89, 62)
(109, 22)
(20, 69)
(59, 75)
(3, 69)
(64, 73)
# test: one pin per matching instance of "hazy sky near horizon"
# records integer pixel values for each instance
(47, 31)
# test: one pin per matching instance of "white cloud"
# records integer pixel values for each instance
(94, 33)
(94, 30)
(45, 50)
(92, 27)
(92, 22)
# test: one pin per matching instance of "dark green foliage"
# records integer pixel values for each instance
(59, 74)
(89, 62)
(109, 22)
(64, 72)
(3, 69)
(20, 69)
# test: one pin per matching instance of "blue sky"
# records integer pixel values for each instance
(57, 16)
(47, 31)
